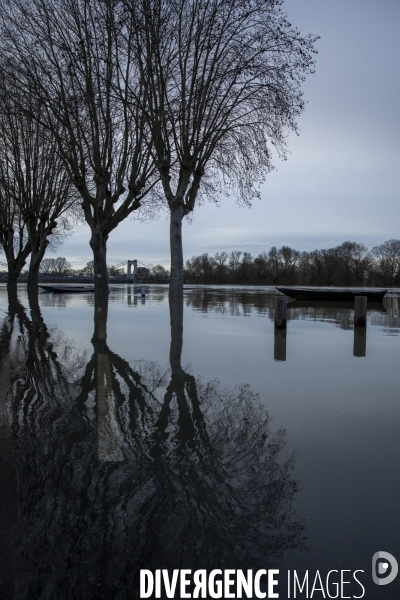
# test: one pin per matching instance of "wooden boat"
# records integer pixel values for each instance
(331, 294)
(66, 288)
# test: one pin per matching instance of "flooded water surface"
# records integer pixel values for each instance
(138, 433)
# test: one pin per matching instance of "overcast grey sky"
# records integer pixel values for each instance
(342, 177)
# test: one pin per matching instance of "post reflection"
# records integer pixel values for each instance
(280, 344)
(360, 341)
(345, 315)
(125, 466)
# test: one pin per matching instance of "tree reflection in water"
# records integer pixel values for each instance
(122, 466)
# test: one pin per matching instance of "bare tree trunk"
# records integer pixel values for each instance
(37, 233)
(98, 244)
(15, 264)
(12, 298)
(175, 232)
(36, 258)
(13, 272)
(99, 339)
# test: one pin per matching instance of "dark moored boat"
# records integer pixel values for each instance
(66, 288)
(338, 294)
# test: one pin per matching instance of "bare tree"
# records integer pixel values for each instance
(47, 266)
(33, 178)
(88, 268)
(352, 262)
(115, 271)
(75, 57)
(201, 268)
(234, 260)
(386, 262)
(13, 236)
(290, 260)
(159, 273)
(220, 261)
(221, 91)
(57, 266)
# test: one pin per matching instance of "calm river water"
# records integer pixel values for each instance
(127, 443)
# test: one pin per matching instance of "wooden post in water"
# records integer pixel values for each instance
(280, 328)
(280, 312)
(360, 326)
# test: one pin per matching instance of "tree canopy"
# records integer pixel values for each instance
(33, 182)
(222, 90)
(187, 98)
(75, 58)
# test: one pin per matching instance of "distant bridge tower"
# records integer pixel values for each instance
(128, 269)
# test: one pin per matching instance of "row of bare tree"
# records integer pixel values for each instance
(348, 264)
(37, 203)
(121, 108)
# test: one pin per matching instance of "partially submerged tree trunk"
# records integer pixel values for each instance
(175, 231)
(15, 266)
(98, 244)
(34, 267)
(16, 252)
(99, 339)
(39, 230)
(13, 302)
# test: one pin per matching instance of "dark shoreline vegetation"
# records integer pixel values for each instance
(350, 264)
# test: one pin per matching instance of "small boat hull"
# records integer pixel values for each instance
(335, 294)
(66, 288)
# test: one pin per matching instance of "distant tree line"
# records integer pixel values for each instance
(60, 266)
(350, 263)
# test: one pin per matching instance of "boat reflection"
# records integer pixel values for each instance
(242, 302)
(237, 302)
(124, 466)
(341, 313)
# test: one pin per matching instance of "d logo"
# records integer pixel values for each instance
(384, 563)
